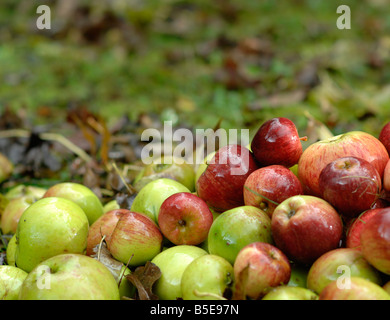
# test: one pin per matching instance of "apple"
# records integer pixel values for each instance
(10, 251)
(290, 293)
(384, 136)
(355, 228)
(339, 263)
(11, 279)
(70, 277)
(386, 178)
(149, 199)
(172, 263)
(21, 190)
(12, 212)
(103, 227)
(277, 142)
(48, 227)
(235, 228)
(386, 286)
(351, 185)
(267, 187)
(354, 143)
(80, 194)
(208, 277)
(6, 167)
(184, 218)
(126, 288)
(111, 205)
(221, 185)
(266, 267)
(135, 239)
(298, 276)
(375, 240)
(305, 227)
(202, 166)
(355, 288)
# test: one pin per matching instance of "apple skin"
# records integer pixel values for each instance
(135, 239)
(149, 199)
(354, 143)
(375, 240)
(386, 286)
(184, 218)
(25, 190)
(80, 194)
(277, 142)
(267, 187)
(361, 289)
(71, 277)
(386, 177)
(111, 205)
(11, 279)
(203, 166)
(10, 252)
(384, 136)
(234, 229)
(355, 228)
(267, 267)
(298, 276)
(103, 226)
(6, 167)
(48, 227)
(324, 270)
(172, 263)
(351, 185)
(207, 274)
(290, 293)
(305, 227)
(221, 185)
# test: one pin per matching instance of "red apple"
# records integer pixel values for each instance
(184, 218)
(386, 178)
(355, 228)
(305, 227)
(351, 185)
(375, 240)
(384, 136)
(267, 187)
(103, 226)
(277, 142)
(354, 143)
(221, 184)
(258, 267)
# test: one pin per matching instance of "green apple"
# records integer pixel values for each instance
(235, 228)
(172, 263)
(207, 278)
(80, 194)
(50, 226)
(70, 277)
(111, 205)
(11, 279)
(339, 264)
(149, 199)
(13, 211)
(126, 288)
(298, 276)
(10, 252)
(290, 293)
(23, 190)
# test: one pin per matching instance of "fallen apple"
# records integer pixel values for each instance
(11, 279)
(290, 293)
(384, 136)
(10, 251)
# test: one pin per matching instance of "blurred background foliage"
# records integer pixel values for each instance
(199, 63)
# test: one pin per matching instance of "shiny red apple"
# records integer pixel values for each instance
(386, 180)
(184, 218)
(354, 143)
(384, 136)
(221, 184)
(277, 142)
(351, 185)
(305, 227)
(269, 186)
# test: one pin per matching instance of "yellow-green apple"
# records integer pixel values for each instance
(305, 227)
(375, 240)
(354, 143)
(13, 211)
(337, 264)
(235, 228)
(126, 288)
(208, 277)
(354, 288)
(103, 227)
(221, 184)
(277, 142)
(25, 190)
(184, 218)
(135, 239)
(6, 167)
(384, 136)
(111, 205)
(10, 251)
(265, 267)
(298, 275)
(351, 185)
(48, 227)
(172, 262)
(386, 286)
(11, 279)
(268, 186)
(70, 277)
(80, 194)
(149, 199)
(290, 293)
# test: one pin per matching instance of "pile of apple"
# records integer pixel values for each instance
(269, 221)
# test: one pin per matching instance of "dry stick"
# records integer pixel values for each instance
(129, 188)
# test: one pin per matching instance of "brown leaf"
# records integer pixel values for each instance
(103, 255)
